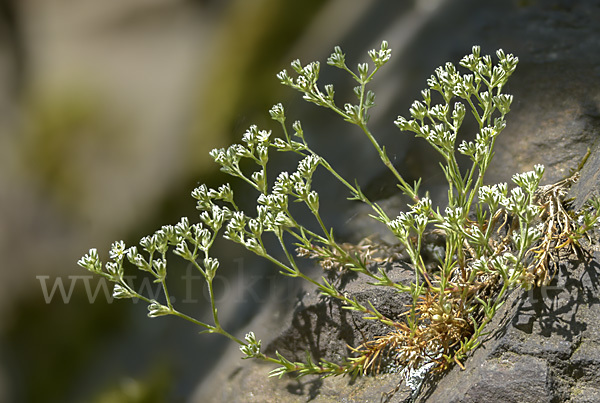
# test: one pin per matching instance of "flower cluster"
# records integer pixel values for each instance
(439, 124)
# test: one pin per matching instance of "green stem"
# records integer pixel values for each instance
(164, 286)
(209, 328)
(406, 188)
(210, 294)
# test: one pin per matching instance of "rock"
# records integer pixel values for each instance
(544, 344)
(322, 327)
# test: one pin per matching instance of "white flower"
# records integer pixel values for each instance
(120, 292)
(117, 250)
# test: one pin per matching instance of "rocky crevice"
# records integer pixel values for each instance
(544, 344)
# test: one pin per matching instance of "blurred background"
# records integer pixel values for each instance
(108, 110)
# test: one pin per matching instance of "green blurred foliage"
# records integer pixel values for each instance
(51, 344)
(153, 388)
(252, 41)
(62, 132)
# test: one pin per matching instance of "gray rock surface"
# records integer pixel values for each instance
(544, 345)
